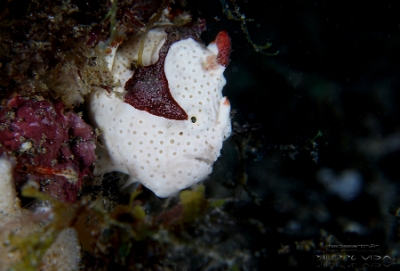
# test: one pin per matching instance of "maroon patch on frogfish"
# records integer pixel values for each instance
(148, 88)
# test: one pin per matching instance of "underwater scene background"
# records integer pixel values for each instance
(307, 179)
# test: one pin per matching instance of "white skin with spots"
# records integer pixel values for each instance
(165, 155)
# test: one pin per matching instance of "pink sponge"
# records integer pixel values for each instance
(49, 146)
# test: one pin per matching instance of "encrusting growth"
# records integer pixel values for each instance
(62, 255)
(49, 145)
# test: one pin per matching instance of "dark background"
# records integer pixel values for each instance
(336, 75)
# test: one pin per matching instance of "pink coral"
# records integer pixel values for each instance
(50, 146)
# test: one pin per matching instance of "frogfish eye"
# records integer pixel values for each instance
(193, 119)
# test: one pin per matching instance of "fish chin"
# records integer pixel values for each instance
(180, 175)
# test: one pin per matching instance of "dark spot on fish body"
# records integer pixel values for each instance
(148, 88)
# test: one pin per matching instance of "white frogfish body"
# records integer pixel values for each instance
(165, 155)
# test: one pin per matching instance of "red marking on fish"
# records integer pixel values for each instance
(226, 102)
(223, 42)
(148, 88)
